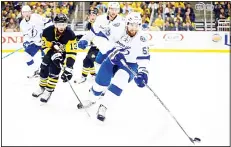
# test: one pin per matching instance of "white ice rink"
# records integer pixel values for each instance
(194, 86)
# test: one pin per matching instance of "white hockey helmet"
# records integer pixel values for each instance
(26, 8)
(114, 5)
(26, 12)
(133, 17)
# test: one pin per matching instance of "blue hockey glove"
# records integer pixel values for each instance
(26, 44)
(141, 78)
(82, 44)
(67, 74)
(116, 56)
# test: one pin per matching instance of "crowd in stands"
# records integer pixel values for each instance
(156, 16)
(222, 11)
(174, 16)
(11, 12)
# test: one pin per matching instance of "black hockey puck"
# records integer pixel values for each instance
(80, 106)
(75, 81)
(197, 139)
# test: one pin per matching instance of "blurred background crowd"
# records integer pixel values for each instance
(156, 16)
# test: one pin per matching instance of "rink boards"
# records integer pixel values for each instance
(201, 42)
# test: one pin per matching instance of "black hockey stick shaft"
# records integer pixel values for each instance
(135, 74)
(74, 91)
(77, 97)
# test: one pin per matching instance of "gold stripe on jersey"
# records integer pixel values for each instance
(46, 45)
(43, 82)
(51, 83)
(92, 70)
(53, 80)
(85, 71)
(50, 86)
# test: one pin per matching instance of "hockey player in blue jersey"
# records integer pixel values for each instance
(32, 26)
(102, 23)
(131, 49)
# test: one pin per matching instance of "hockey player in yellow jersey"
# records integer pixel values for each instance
(59, 44)
(88, 62)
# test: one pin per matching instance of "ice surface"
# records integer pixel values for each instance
(195, 87)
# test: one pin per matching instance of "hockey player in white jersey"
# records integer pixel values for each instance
(102, 23)
(132, 49)
(32, 26)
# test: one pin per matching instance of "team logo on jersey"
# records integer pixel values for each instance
(126, 38)
(108, 31)
(116, 24)
(32, 32)
(143, 39)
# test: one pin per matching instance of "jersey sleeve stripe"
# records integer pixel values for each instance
(143, 57)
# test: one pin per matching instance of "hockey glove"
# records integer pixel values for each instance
(142, 78)
(67, 74)
(58, 46)
(82, 44)
(117, 57)
(57, 59)
(26, 44)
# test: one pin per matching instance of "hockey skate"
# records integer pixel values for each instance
(45, 96)
(82, 80)
(85, 104)
(38, 92)
(34, 75)
(101, 112)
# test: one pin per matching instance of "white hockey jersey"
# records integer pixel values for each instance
(103, 26)
(137, 50)
(32, 29)
(137, 47)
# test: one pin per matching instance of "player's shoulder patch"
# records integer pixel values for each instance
(143, 38)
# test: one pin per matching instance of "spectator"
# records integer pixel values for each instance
(146, 10)
(136, 7)
(178, 17)
(12, 26)
(145, 19)
(189, 7)
(168, 10)
(188, 27)
(222, 14)
(154, 27)
(153, 6)
(228, 10)
(102, 6)
(191, 15)
(177, 27)
(159, 22)
(167, 26)
(160, 9)
(170, 20)
(179, 10)
(126, 7)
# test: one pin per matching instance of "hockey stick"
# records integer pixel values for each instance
(77, 97)
(75, 92)
(12, 53)
(135, 74)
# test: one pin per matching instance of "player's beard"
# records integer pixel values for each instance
(131, 33)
